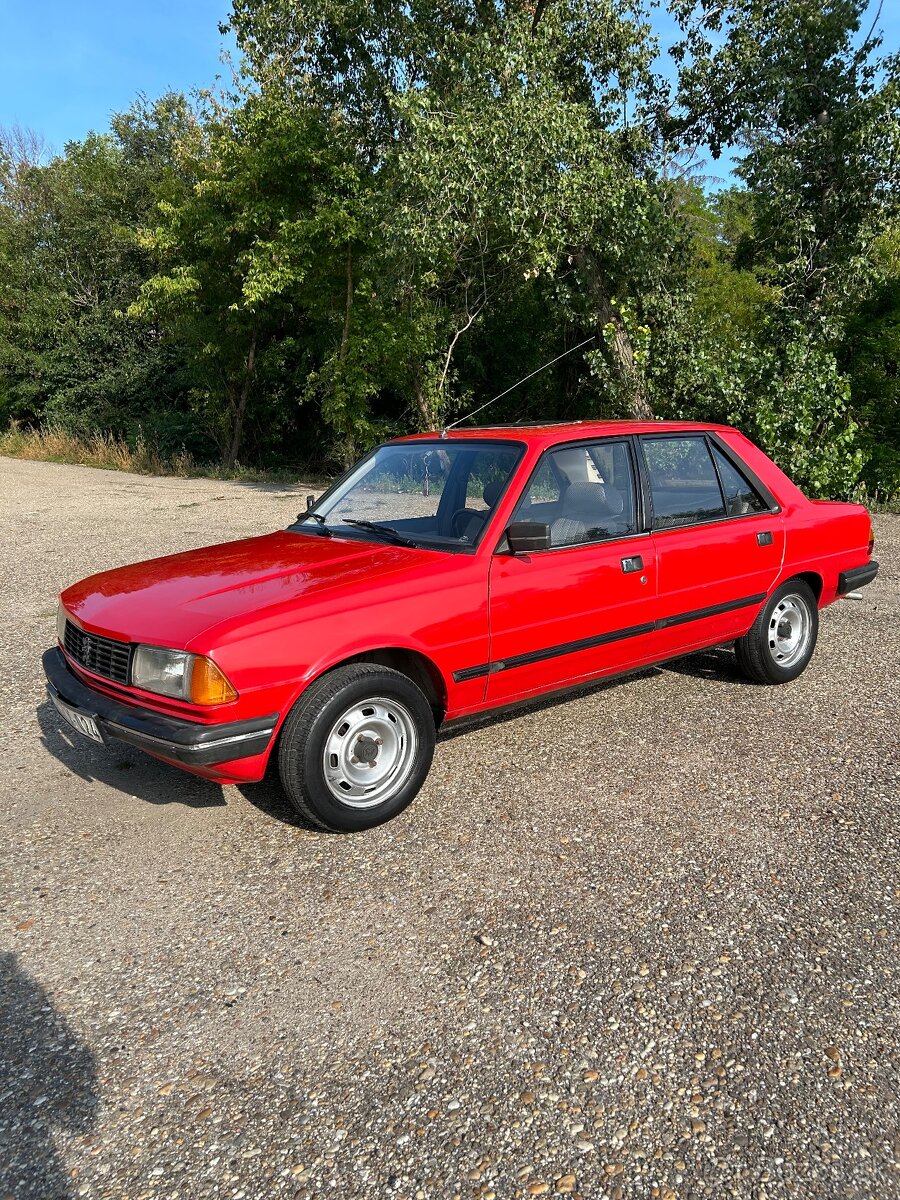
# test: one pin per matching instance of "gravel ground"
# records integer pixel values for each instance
(640, 943)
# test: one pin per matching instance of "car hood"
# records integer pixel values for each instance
(170, 601)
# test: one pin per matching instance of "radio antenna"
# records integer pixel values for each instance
(513, 387)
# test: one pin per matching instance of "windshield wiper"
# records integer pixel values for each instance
(391, 534)
(316, 517)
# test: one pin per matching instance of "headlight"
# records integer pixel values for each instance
(61, 625)
(190, 677)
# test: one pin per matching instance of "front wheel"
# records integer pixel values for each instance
(782, 639)
(356, 747)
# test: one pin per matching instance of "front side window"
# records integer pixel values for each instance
(684, 487)
(585, 493)
(432, 494)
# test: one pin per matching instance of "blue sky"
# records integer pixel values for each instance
(66, 65)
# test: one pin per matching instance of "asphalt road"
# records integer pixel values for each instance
(641, 943)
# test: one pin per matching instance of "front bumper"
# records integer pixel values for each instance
(173, 738)
(849, 581)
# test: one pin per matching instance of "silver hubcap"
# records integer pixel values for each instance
(789, 630)
(369, 752)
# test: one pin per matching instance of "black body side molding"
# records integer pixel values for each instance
(603, 639)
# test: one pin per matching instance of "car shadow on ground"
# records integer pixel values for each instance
(124, 767)
(522, 708)
(719, 663)
(270, 798)
(48, 1082)
(139, 776)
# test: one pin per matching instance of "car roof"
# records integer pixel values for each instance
(563, 431)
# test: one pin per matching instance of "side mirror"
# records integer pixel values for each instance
(524, 537)
(310, 501)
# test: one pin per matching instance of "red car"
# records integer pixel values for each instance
(442, 576)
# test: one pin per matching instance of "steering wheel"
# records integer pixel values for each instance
(461, 519)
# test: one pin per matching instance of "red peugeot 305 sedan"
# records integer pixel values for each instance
(442, 576)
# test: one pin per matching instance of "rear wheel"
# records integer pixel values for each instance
(783, 637)
(356, 747)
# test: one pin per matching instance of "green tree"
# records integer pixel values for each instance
(402, 208)
(500, 147)
(802, 90)
(70, 266)
(258, 245)
(812, 106)
(871, 358)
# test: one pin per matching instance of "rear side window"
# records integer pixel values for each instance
(740, 495)
(684, 487)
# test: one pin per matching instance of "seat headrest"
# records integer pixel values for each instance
(593, 500)
(492, 493)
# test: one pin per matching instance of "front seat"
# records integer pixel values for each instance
(491, 494)
(589, 510)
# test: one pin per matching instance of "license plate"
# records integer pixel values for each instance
(78, 720)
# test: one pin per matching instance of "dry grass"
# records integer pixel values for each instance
(54, 444)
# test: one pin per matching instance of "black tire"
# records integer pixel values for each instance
(400, 757)
(766, 657)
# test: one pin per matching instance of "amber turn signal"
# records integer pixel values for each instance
(208, 684)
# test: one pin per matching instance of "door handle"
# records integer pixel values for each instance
(635, 563)
(764, 538)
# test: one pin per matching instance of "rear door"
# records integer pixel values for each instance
(585, 606)
(718, 537)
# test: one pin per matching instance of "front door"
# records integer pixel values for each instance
(586, 606)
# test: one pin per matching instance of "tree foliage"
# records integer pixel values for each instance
(403, 207)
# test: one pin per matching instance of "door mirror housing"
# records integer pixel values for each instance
(524, 537)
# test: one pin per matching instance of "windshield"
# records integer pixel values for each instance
(438, 494)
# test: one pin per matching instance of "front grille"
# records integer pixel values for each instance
(98, 654)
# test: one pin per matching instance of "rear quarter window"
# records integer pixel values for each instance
(740, 495)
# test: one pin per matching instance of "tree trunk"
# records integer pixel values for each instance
(345, 332)
(426, 417)
(619, 345)
(241, 406)
(348, 452)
